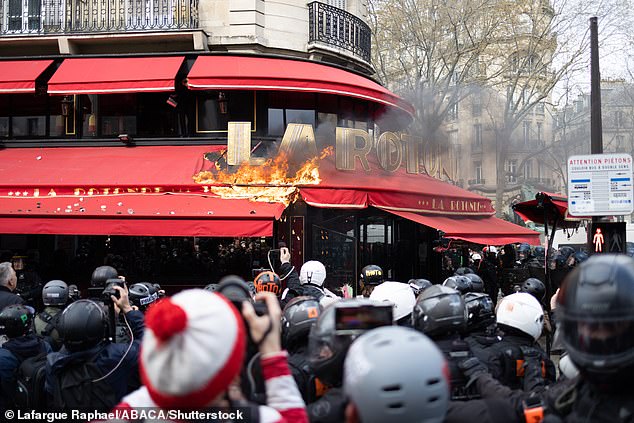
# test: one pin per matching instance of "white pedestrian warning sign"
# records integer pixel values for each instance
(600, 185)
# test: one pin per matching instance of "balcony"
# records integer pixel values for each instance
(545, 182)
(477, 182)
(337, 28)
(39, 17)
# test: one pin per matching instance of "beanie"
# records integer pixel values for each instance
(193, 347)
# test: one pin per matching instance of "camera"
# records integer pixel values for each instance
(354, 319)
(109, 289)
(235, 289)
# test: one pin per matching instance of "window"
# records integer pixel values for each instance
(618, 118)
(341, 4)
(453, 138)
(528, 169)
(117, 114)
(455, 78)
(477, 135)
(539, 132)
(540, 108)
(527, 132)
(619, 143)
(476, 104)
(452, 112)
(24, 15)
(215, 109)
(477, 166)
(511, 170)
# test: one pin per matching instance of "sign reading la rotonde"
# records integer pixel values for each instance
(353, 148)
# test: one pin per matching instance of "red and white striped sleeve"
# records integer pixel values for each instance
(281, 390)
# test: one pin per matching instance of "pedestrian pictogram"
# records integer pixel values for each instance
(598, 241)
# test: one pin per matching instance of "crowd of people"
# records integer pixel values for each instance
(283, 348)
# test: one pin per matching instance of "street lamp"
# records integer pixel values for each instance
(67, 106)
(222, 103)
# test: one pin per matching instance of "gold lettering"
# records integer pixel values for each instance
(347, 150)
(52, 193)
(412, 148)
(299, 139)
(106, 191)
(389, 151)
(79, 191)
(93, 191)
(238, 143)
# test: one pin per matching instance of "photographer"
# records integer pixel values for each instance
(193, 352)
(89, 371)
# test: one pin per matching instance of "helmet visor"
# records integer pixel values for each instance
(600, 338)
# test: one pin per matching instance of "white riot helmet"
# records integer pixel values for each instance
(396, 374)
(399, 294)
(312, 272)
(523, 312)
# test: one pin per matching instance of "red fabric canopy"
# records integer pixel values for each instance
(138, 214)
(261, 73)
(479, 230)
(18, 76)
(553, 205)
(399, 190)
(115, 75)
(121, 191)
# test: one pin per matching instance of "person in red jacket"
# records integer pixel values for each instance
(193, 351)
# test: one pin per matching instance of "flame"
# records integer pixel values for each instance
(273, 181)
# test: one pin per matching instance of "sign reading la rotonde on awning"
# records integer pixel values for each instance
(600, 185)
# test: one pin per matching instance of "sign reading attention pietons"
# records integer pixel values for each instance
(600, 185)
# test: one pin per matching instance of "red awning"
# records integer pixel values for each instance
(18, 76)
(553, 205)
(478, 230)
(262, 73)
(121, 191)
(398, 191)
(115, 75)
(138, 214)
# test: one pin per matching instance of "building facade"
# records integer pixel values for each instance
(181, 140)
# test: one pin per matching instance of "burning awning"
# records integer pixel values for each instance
(485, 230)
(121, 191)
(115, 75)
(546, 206)
(263, 73)
(394, 191)
(18, 76)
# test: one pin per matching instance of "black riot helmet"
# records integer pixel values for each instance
(419, 285)
(535, 287)
(83, 325)
(480, 311)
(371, 275)
(101, 274)
(212, 287)
(73, 293)
(439, 310)
(596, 309)
(327, 346)
(142, 295)
(16, 320)
(561, 257)
(461, 271)
(55, 293)
(477, 284)
(524, 251)
(462, 284)
(298, 317)
(580, 257)
(540, 253)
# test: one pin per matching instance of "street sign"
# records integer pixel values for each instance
(600, 185)
(606, 237)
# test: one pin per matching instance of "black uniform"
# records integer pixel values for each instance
(456, 350)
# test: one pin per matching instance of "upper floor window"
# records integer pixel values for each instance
(527, 132)
(452, 112)
(476, 104)
(618, 118)
(511, 170)
(477, 166)
(341, 4)
(477, 135)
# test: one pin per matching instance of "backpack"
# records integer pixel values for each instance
(77, 386)
(30, 391)
(52, 322)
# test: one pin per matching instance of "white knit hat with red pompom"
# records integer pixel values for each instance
(193, 347)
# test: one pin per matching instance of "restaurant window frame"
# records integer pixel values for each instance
(210, 95)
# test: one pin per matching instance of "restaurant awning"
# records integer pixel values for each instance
(121, 191)
(115, 75)
(18, 76)
(138, 214)
(485, 230)
(397, 191)
(547, 204)
(263, 73)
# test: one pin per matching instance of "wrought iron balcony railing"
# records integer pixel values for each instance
(477, 182)
(338, 28)
(87, 16)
